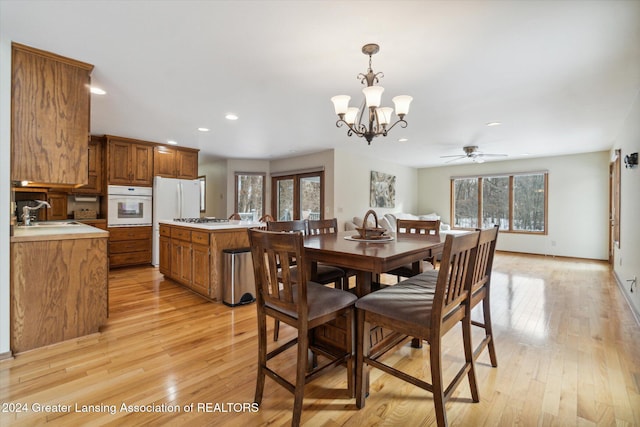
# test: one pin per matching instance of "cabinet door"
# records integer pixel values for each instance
(49, 117)
(95, 172)
(119, 163)
(58, 209)
(164, 161)
(165, 256)
(200, 260)
(187, 162)
(186, 260)
(141, 164)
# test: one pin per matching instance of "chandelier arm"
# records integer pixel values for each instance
(351, 130)
(403, 124)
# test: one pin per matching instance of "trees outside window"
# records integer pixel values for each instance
(250, 191)
(517, 202)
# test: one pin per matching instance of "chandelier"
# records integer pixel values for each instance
(376, 122)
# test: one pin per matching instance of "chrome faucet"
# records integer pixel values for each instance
(26, 215)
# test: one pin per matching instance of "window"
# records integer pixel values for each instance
(517, 202)
(249, 197)
(298, 196)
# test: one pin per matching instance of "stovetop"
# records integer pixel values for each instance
(200, 220)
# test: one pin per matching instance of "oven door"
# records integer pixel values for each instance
(127, 211)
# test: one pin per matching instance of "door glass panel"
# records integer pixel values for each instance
(284, 194)
(250, 196)
(310, 197)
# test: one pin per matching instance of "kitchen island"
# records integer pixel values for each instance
(59, 283)
(192, 253)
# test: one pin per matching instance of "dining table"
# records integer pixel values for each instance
(368, 259)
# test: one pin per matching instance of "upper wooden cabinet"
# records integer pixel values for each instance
(50, 106)
(174, 162)
(130, 162)
(95, 171)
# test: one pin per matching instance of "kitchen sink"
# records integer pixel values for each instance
(52, 224)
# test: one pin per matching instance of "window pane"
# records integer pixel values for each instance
(250, 196)
(495, 202)
(528, 202)
(310, 197)
(284, 194)
(466, 202)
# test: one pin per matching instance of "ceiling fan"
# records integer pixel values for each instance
(472, 152)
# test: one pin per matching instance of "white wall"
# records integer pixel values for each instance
(578, 202)
(215, 171)
(627, 256)
(5, 187)
(353, 177)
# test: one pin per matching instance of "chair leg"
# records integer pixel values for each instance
(468, 356)
(276, 329)
(486, 309)
(301, 370)
(436, 381)
(350, 362)
(362, 348)
(262, 358)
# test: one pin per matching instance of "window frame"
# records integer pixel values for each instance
(237, 176)
(511, 177)
(296, 177)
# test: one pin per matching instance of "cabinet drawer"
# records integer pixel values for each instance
(181, 234)
(200, 237)
(129, 233)
(165, 230)
(129, 258)
(129, 246)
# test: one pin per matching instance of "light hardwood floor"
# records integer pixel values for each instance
(568, 354)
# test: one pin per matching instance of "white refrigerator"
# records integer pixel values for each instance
(172, 198)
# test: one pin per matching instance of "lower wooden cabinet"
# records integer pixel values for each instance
(129, 246)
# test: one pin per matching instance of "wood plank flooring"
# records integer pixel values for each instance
(568, 355)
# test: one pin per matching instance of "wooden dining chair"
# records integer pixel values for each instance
(235, 216)
(480, 290)
(329, 226)
(266, 218)
(412, 310)
(421, 227)
(326, 274)
(300, 303)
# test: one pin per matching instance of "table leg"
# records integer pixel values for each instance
(363, 283)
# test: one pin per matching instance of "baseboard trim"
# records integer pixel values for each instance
(6, 356)
(634, 312)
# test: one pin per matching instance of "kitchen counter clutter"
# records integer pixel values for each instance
(192, 253)
(59, 283)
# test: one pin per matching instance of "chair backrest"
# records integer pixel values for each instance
(418, 226)
(235, 216)
(273, 254)
(454, 279)
(323, 226)
(295, 225)
(266, 218)
(484, 258)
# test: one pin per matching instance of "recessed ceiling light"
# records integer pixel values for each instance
(231, 116)
(203, 129)
(172, 142)
(403, 139)
(96, 90)
(494, 124)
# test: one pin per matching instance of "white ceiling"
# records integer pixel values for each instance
(560, 75)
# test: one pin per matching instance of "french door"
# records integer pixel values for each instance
(298, 196)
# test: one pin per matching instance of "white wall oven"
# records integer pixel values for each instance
(129, 206)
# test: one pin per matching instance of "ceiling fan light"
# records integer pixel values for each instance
(402, 103)
(341, 103)
(384, 115)
(350, 116)
(373, 94)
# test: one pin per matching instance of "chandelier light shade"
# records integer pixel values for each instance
(370, 120)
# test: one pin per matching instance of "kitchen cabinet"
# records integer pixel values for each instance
(129, 246)
(50, 105)
(130, 162)
(95, 172)
(58, 209)
(196, 255)
(59, 286)
(174, 162)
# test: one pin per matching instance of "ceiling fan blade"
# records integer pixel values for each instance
(492, 155)
(455, 155)
(455, 159)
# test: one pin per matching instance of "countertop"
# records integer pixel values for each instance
(55, 230)
(213, 226)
